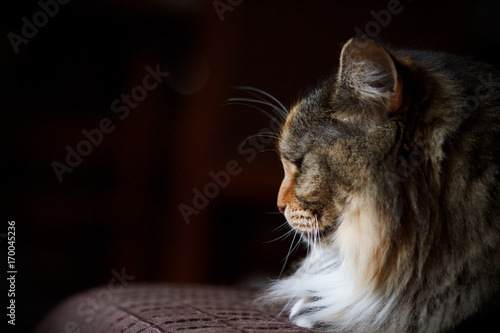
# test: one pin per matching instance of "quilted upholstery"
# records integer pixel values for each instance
(165, 308)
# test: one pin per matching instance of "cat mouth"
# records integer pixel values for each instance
(304, 221)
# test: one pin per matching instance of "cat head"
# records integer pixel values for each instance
(338, 142)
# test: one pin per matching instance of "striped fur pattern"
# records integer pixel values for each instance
(392, 171)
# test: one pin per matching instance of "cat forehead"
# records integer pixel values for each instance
(306, 127)
(307, 111)
(294, 135)
(287, 141)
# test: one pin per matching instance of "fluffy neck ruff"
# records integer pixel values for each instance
(343, 284)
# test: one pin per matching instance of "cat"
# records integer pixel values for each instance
(392, 179)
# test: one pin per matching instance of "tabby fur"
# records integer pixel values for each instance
(392, 177)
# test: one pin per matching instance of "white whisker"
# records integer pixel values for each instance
(283, 111)
(257, 136)
(270, 134)
(282, 226)
(290, 250)
(274, 213)
(229, 102)
(282, 237)
(250, 100)
(265, 151)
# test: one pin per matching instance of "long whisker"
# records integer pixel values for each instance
(301, 239)
(232, 101)
(317, 235)
(266, 150)
(250, 100)
(307, 251)
(285, 235)
(264, 135)
(273, 134)
(272, 213)
(314, 239)
(290, 250)
(288, 304)
(283, 108)
(256, 101)
(282, 226)
(256, 136)
(267, 135)
(316, 231)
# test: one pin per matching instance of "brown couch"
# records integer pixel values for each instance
(165, 308)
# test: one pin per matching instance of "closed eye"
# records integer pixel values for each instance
(292, 165)
(298, 163)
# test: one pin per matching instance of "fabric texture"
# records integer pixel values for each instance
(166, 308)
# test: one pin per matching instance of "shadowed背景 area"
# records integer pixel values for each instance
(128, 98)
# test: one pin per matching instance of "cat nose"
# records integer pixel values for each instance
(284, 195)
(281, 207)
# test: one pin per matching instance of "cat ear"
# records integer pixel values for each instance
(369, 69)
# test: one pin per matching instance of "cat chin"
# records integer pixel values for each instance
(313, 239)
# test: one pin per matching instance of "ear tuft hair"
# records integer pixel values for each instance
(369, 69)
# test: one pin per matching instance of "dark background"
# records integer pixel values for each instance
(119, 209)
